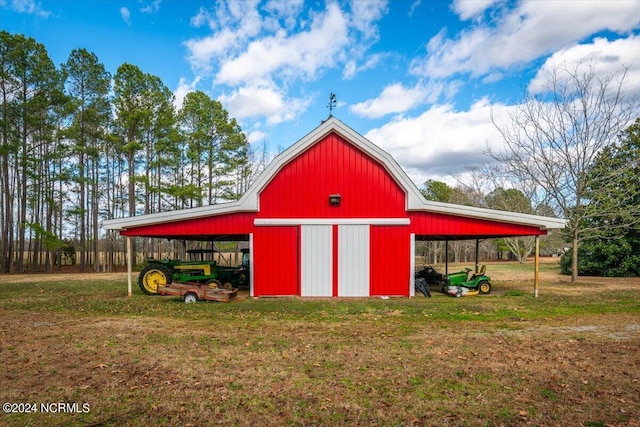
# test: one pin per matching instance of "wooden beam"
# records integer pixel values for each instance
(412, 265)
(477, 251)
(536, 275)
(129, 264)
(446, 257)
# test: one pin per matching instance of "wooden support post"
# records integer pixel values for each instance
(129, 264)
(446, 257)
(536, 275)
(477, 251)
(412, 265)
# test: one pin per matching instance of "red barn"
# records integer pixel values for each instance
(333, 215)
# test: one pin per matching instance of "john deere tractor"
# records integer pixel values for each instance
(466, 283)
(195, 271)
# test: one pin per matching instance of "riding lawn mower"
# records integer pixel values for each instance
(458, 284)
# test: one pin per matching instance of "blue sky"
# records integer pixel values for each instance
(419, 78)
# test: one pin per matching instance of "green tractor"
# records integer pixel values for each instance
(195, 271)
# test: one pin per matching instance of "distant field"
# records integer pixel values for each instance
(569, 357)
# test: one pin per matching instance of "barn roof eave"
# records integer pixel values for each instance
(542, 222)
(122, 224)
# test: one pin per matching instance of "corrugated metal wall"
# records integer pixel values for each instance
(275, 269)
(302, 187)
(390, 260)
(353, 260)
(235, 223)
(316, 260)
(434, 224)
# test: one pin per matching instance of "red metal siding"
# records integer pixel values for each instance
(302, 187)
(390, 261)
(275, 269)
(434, 224)
(236, 223)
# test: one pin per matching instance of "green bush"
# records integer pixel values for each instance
(608, 258)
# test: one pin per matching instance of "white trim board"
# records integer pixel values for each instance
(330, 221)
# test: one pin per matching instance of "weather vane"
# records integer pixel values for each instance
(332, 103)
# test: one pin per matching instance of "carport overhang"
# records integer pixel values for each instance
(148, 227)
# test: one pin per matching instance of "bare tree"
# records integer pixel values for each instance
(553, 138)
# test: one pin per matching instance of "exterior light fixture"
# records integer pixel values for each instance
(334, 199)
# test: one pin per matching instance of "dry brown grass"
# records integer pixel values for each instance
(568, 358)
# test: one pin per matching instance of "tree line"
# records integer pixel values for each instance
(79, 145)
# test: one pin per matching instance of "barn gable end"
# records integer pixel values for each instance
(332, 166)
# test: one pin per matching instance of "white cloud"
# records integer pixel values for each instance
(441, 141)
(238, 22)
(258, 101)
(298, 56)
(256, 136)
(285, 11)
(364, 15)
(531, 30)
(351, 68)
(125, 14)
(466, 9)
(29, 7)
(414, 6)
(201, 18)
(396, 98)
(203, 50)
(183, 89)
(152, 7)
(266, 48)
(607, 57)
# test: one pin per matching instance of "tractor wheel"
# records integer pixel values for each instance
(484, 287)
(151, 276)
(227, 285)
(214, 283)
(190, 298)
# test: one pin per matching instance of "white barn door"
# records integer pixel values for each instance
(316, 261)
(353, 260)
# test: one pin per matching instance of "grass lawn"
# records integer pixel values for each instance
(569, 357)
